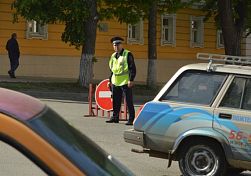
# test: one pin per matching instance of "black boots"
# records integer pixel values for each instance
(130, 122)
(12, 75)
(112, 120)
(116, 120)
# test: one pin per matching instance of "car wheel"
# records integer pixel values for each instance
(205, 159)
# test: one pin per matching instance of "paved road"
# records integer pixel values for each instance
(108, 136)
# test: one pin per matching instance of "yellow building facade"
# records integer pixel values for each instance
(179, 37)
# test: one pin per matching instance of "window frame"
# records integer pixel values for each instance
(28, 156)
(219, 45)
(139, 36)
(200, 30)
(171, 33)
(243, 93)
(31, 34)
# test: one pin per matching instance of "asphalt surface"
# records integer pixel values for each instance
(107, 136)
(110, 138)
(74, 108)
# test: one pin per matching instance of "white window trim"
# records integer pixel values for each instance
(218, 44)
(172, 42)
(195, 5)
(201, 43)
(36, 35)
(141, 34)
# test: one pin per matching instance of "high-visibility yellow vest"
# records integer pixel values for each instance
(119, 68)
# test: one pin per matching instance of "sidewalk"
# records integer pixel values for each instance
(138, 99)
(47, 94)
(6, 78)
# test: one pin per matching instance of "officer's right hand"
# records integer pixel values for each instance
(130, 84)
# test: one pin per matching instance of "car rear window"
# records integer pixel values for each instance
(198, 87)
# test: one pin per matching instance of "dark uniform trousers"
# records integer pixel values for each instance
(14, 63)
(117, 94)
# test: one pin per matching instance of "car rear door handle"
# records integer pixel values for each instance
(225, 116)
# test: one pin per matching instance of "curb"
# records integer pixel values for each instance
(58, 95)
(82, 97)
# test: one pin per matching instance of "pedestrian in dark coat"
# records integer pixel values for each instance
(13, 51)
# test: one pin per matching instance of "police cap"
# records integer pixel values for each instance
(116, 40)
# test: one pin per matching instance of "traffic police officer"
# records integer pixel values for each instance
(123, 72)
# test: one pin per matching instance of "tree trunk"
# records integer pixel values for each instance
(152, 50)
(232, 30)
(88, 49)
(86, 70)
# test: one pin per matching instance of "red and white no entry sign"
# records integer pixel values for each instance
(103, 95)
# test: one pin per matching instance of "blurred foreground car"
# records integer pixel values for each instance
(201, 118)
(49, 141)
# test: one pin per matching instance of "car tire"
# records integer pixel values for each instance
(202, 158)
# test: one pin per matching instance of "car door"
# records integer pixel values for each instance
(25, 140)
(186, 105)
(232, 117)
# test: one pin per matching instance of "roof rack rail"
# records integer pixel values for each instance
(235, 60)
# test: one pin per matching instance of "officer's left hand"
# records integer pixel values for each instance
(130, 84)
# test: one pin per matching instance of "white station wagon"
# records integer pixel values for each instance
(201, 118)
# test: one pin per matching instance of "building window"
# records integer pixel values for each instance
(197, 31)
(36, 30)
(103, 27)
(220, 41)
(168, 23)
(135, 33)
